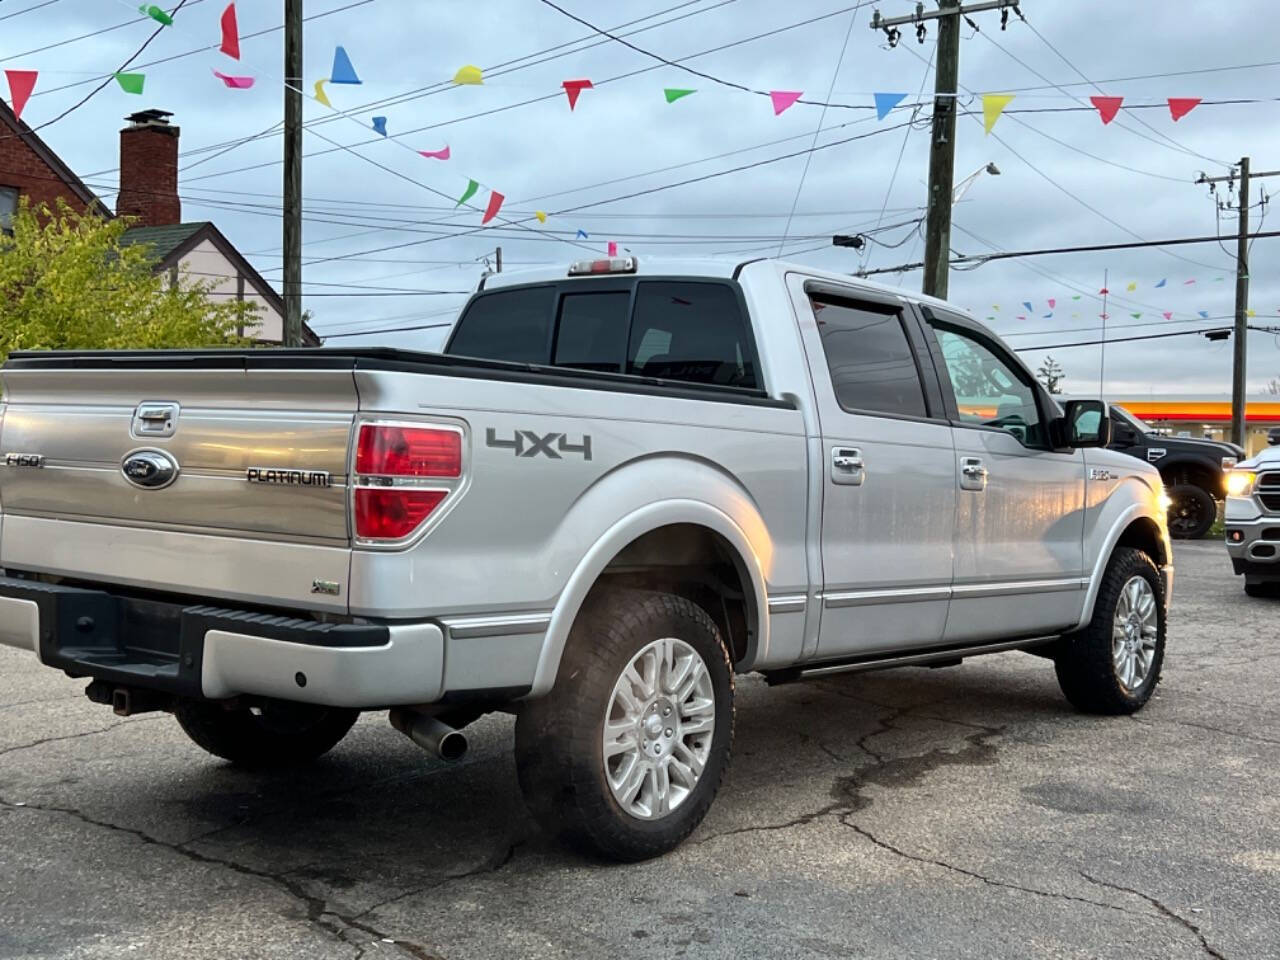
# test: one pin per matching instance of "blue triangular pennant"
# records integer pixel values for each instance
(380, 125)
(1162, 282)
(886, 102)
(1027, 304)
(342, 71)
(1204, 314)
(583, 234)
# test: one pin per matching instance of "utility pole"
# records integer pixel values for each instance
(1240, 351)
(942, 147)
(293, 173)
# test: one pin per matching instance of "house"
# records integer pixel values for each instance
(148, 195)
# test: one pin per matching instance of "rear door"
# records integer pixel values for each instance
(1019, 514)
(888, 506)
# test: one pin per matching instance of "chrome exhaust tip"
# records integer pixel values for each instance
(432, 735)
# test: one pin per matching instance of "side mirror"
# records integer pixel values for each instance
(1086, 423)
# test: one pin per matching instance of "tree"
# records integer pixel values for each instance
(1051, 375)
(1273, 386)
(67, 282)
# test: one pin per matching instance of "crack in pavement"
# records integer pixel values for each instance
(1172, 915)
(317, 908)
(23, 703)
(1204, 726)
(75, 736)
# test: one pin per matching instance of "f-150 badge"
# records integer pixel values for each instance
(24, 460)
(527, 443)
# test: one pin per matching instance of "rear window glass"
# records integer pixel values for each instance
(592, 333)
(693, 332)
(512, 325)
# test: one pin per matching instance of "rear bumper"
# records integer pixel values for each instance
(216, 653)
(1254, 546)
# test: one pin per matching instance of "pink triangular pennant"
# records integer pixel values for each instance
(1052, 303)
(436, 154)
(235, 83)
(1107, 107)
(783, 99)
(613, 248)
(1168, 315)
(21, 83)
(1179, 107)
(574, 87)
(495, 204)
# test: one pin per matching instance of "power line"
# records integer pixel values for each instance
(18, 13)
(85, 36)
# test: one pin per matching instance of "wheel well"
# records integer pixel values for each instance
(1144, 535)
(696, 563)
(1198, 475)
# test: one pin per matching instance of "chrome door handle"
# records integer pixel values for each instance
(973, 475)
(847, 466)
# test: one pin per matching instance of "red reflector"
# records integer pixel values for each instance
(391, 513)
(394, 451)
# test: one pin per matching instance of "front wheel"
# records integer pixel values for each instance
(1192, 511)
(1262, 588)
(626, 753)
(274, 735)
(1112, 666)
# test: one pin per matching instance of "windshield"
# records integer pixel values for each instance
(1141, 425)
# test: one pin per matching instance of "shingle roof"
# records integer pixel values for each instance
(163, 241)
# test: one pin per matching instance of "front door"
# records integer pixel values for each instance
(1019, 520)
(888, 506)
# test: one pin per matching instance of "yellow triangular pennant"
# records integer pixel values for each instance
(993, 105)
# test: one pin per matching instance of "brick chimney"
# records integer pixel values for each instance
(149, 170)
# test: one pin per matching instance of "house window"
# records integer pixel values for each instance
(8, 207)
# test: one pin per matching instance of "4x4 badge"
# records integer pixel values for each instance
(527, 443)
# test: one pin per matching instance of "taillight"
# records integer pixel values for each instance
(395, 466)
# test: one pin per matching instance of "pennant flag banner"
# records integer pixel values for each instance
(1027, 304)
(321, 96)
(234, 83)
(469, 75)
(1107, 107)
(1186, 283)
(886, 102)
(1105, 316)
(1162, 282)
(1168, 315)
(342, 71)
(573, 88)
(1133, 285)
(613, 248)
(993, 105)
(155, 13)
(380, 125)
(21, 83)
(467, 194)
(1052, 303)
(673, 94)
(1136, 316)
(1048, 316)
(542, 217)
(495, 204)
(1250, 313)
(582, 234)
(1076, 297)
(1103, 292)
(131, 82)
(230, 33)
(440, 155)
(1179, 107)
(1204, 314)
(784, 99)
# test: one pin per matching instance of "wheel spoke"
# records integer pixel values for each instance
(688, 760)
(661, 789)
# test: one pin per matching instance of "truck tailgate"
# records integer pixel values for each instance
(68, 433)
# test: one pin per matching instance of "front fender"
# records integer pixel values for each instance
(1106, 521)
(647, 495)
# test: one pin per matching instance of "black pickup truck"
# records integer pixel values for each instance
(1194, 471)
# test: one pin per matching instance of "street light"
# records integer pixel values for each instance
(963, 186)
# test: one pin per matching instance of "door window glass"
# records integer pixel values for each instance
(873, 368)
(592, 334)
(989, 390)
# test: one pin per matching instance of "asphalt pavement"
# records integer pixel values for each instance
(962, 812)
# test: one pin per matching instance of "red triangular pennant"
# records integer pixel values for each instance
(1107, 107)
(230, 33)
(1179, 107)
(495, 204)
(574, 87)
(21, 83)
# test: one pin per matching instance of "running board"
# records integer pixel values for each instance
(938, 657)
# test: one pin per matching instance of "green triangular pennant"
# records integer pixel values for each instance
(673, 94)
(1136, 316)
(467, 194)
(131, 82)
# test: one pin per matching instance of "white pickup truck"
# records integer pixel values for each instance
(614, 490)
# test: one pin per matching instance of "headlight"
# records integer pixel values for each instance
(1165, 501)
(1240, 483)
(1229, 462)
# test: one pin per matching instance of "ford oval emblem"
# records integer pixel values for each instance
(151, 469)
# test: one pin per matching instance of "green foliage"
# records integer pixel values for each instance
(1051, 375)
(67, 283)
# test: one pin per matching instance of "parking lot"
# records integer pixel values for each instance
(917, 813)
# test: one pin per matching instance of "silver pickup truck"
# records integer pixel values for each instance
(612, 492)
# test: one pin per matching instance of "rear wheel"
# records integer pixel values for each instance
(626, 753)
(1113, 665)
(277, 734)
(1192, 511)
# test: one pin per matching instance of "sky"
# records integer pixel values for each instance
(385, 248)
